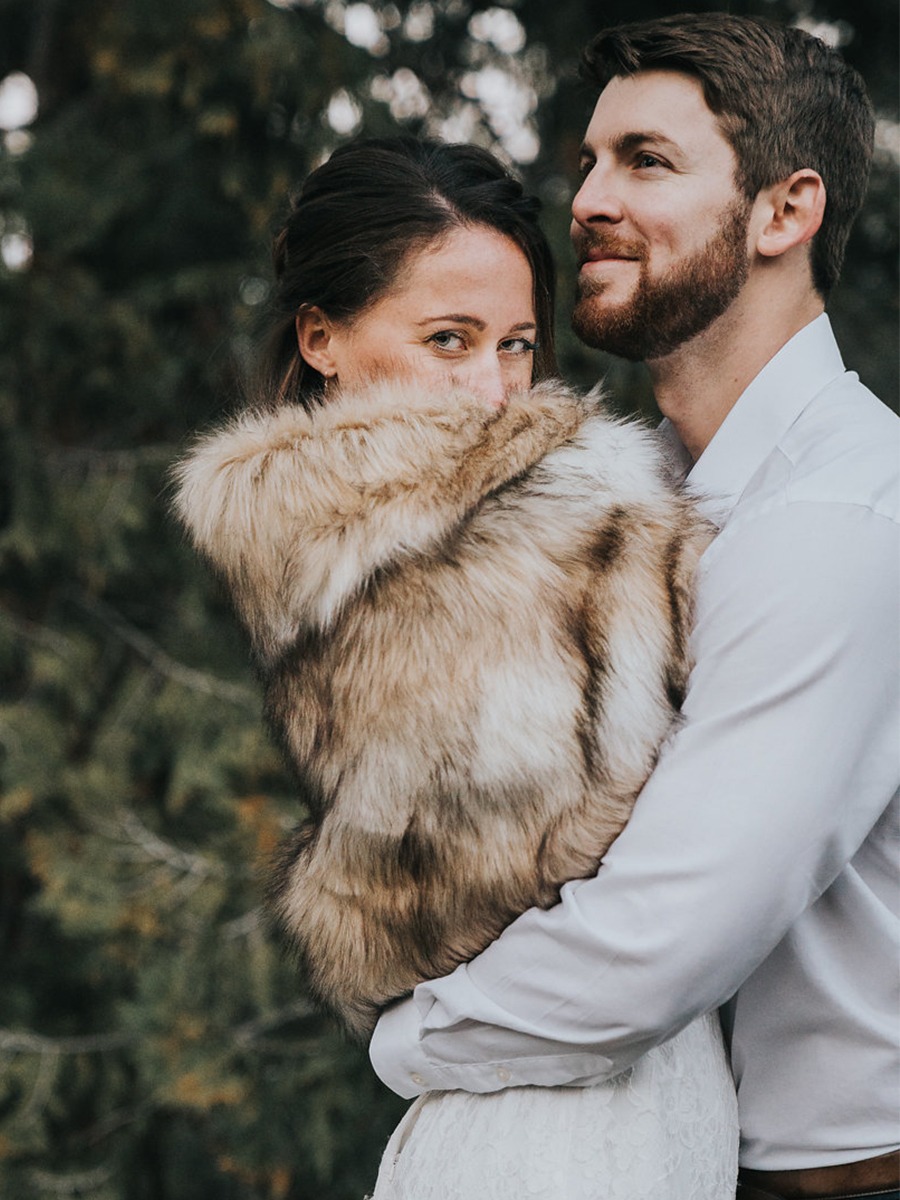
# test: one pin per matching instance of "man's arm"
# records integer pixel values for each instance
(787, 756)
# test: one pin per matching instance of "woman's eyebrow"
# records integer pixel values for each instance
(474, 322)
(456, 318)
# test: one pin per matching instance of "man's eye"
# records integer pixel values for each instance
(585, 167)
(649, 160)
(446, 339)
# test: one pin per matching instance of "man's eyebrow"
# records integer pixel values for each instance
(626, 142)
(630, 141)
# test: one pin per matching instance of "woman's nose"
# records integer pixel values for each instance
(487, 380)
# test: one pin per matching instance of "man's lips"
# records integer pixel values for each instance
(609, 260)
(598, 255)
(606, 252)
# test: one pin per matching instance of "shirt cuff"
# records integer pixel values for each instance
(399, 1059)
(396, 1053)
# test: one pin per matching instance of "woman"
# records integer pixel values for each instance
(467, 590)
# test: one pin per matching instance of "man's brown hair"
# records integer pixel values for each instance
(784, 100)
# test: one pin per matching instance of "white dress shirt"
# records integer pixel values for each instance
(762, 853)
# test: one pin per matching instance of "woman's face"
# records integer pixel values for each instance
(460, 312)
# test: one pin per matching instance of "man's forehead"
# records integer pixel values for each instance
(661, 106)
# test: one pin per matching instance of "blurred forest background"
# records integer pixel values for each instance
(152, 1044)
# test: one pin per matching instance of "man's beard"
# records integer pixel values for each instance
(663, 313)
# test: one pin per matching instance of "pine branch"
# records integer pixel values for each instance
(152, 846)
(48, 1065)
(248, 923)
(68, 459)
(72, 1183)
(163, 663)
(113, 1122)
(253, 1031)
(50, 639)
(25, 1042)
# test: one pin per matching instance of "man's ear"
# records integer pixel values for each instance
(315, 338)
(793, 210)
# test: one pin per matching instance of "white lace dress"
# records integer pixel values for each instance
(666, 1129)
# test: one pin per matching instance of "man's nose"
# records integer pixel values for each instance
(596, 199)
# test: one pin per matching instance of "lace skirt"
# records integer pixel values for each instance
(666, 1129)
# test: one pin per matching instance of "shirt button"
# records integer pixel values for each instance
(417, 1078)
(503, 1074)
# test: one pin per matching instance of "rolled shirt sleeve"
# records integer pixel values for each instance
(784, 761)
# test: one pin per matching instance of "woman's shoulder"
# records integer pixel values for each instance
(621, 454)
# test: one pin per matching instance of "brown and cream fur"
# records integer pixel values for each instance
(471, 625)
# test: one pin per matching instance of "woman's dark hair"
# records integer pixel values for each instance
(357, 219)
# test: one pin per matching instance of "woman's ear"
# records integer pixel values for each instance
(315, 340)
(794, 210)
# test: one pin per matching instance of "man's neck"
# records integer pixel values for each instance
(697, 386)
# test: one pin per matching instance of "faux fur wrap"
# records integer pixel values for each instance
(471, 626)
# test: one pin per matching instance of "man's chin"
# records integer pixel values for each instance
(602, 327)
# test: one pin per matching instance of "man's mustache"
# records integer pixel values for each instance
(605, 244)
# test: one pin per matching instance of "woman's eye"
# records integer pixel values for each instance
(446, 339)
(518, 345)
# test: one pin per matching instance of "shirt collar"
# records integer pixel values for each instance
(761, 416)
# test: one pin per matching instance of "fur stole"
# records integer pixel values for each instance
(471, 625)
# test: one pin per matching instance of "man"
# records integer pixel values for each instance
(724, 163)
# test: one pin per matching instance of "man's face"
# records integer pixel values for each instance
(659, 226)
